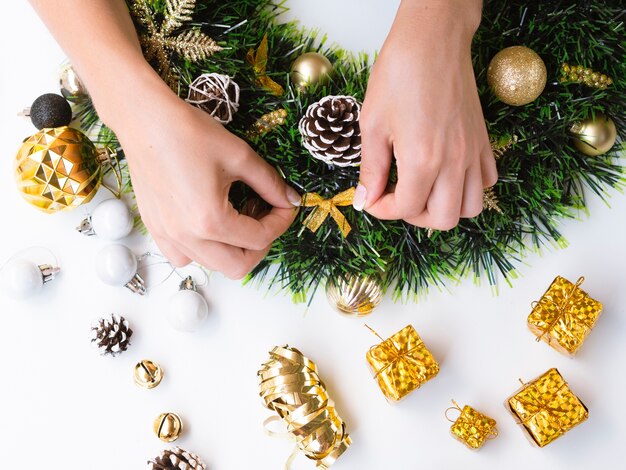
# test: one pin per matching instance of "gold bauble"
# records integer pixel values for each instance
(168, 427)
(354, 295)
(72, 87)
(309, 69)
(594, 136)
(148, 374)
(517, 75)
(58, 169)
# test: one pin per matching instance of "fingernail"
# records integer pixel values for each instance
(293, 197)
(360, 194)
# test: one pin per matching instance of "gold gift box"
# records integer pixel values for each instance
(401, 364)
(564, 316)
(547, 408)
(472, 427)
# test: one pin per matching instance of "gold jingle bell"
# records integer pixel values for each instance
(354, 295)
(148, 374)
(168, 427)
(594, 136)
(58, 169)
(309, 69)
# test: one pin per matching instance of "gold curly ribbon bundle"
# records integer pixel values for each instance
(258, 61)
(290, 385)
(472, 427)
(547, 408)
(564, 316)
(328, 207)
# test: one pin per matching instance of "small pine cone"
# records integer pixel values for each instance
(216, 94)
(331, 132)
(176, 459)
(112, 336)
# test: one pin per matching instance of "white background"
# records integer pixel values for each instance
(65, 407)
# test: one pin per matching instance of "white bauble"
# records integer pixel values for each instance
(21, 279)
(187, 310)
(116, 265)
(112, 220)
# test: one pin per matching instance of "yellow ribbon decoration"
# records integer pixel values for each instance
(325, 207)
(258, 60)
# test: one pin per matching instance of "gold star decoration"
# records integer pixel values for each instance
(159, 42)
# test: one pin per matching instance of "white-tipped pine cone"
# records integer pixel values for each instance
(331, 132)
(176, 459)
(216, 94)
(112, 336)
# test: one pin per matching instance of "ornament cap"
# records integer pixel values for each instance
(86, 227)
(188, 284)
(137, 285)
(48, 272)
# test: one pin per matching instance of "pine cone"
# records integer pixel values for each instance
(112, 336)
(216, 94)
(176, 459)
(331, 132)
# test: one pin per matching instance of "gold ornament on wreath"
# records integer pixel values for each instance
(354, 295)
(267, 123)
(310, 69)
(72, 87)
(59, 169)
(216, 94)
(595, 135)
(517, 75)
(585, 75)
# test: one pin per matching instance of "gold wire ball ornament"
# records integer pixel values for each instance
(311, 68)
(517, 75)
(58, 169)
(72, 87)
(168, 427)
(594, 136)
(148, 374)
(354, 295)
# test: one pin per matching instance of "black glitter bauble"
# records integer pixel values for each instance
(50, 110)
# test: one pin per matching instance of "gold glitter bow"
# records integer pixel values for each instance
(566, 314)
(258, 60)
(325, 207)
(290, 385)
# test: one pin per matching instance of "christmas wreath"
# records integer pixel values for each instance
(236, 61)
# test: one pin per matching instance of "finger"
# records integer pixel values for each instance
(472, 193)
(233, 262)
(173, 254)
(376, 158)
(249, 233)
(265, 180)
(488, 168)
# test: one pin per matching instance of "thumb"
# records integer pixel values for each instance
(265, 180)
(375, 166)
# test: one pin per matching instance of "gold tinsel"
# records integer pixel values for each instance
(160, 41)
(580, 74)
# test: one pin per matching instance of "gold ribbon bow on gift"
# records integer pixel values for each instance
(258, 60)
(328, 207)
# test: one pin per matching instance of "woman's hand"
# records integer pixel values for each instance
(422, 108)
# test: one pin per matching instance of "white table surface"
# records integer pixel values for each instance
(65, 407)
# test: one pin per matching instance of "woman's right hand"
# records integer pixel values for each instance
(183, 163)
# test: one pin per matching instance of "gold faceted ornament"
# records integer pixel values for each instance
(168, 427)
(517, 75)
(148, 374)
(594, 136)
(309, 69)
(355, 295)
(58, 169)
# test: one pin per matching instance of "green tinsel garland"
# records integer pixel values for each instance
(541, 177)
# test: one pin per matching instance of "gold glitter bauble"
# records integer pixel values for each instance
(354, 295)
(148, 374)
(517, 75)
(168, 427)
(309, 69)
(58, 169)
(595, 137)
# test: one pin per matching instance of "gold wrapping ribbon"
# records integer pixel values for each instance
(328, 207)
(258, 61)
(547, 408)
(565, 314)
(401, 363)
(290, 385)
(472, 427)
